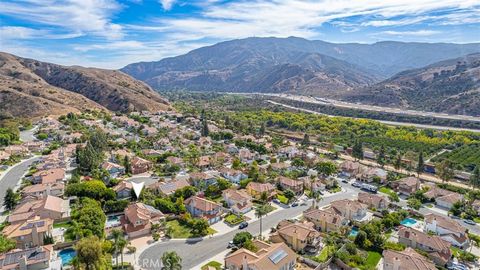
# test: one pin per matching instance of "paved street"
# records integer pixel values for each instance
(11, 178)
(194, 252)
(27, 135)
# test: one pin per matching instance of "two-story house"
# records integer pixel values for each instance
(373, 200)
(325, 221)
(239, 201)
(203, 208)
(138, 219)
(299, 236)
(256, 189)
(232, 175)
(30, 233)
(349, 209)
(448, 229)
(291, 184)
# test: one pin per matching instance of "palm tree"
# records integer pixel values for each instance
(117, 238)
(171, 261)
(261, 211)
(122, 243)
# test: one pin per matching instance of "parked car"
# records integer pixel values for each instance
(356, 184)
(243, 225)
(231, 245)
(276, 201)
(295, 204)
(469, 221)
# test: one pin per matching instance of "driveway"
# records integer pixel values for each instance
(195, 251)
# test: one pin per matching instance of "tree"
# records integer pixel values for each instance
(420, 164)
(475, 178)
(236, 163)
(90, 218)
(10, 200)
(414, 203)
(117, 236)
(199, 226)
(6, 244)
(205, 130)
(326, 168)
(357, 150)
(90, 253)
(261, 211)
(254, 172)
(289, 194)
(360, 239)
(398, 161)
(381, 156)
(444, 170)
(306, 140)
(241, 238)
(171, 261)
(127, 165)
(262, 129)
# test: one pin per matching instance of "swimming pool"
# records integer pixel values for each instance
(353, 232)
(67, 255)
(408, 222)
(112, 221)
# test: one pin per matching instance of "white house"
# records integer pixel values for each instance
(447, 228)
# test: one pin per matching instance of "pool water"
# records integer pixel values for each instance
(353, 232)
(408, 222)
(112, 221)
(67, 255)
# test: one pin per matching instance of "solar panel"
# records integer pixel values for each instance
(278, 256)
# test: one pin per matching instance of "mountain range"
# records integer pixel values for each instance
(350, 71)
(30, 88)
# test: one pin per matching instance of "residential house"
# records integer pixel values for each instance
(203, 208)
(204, 162)
(349, 209)
(288, 183)
(4, 156)
(138, 219)
(140, 165)
(448, 201)
(151, 152)
(371, 174)
(239, 201)
(175, 161)
(351, 168)
(18, 150)
(280, 166)
(299, 236)
(448, 229)
(245, 155)
(289, 152)
(325, 221)
(43, 190)
(123, 189)
(30, 233)
(48, 176)
(232, 175)
(113, 169)
(373, 200)
(37, 258)
(437, 248)
(407, 185)
(202, 180)
(268, 256)
(408, 259)
(444, 198)
(51, 207)
(169, 187)
(256, 189)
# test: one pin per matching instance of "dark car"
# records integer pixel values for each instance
(295, 204)
(231, 245)
(243, 225)
(469, 222)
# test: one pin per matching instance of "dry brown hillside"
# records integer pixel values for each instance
(31, 88)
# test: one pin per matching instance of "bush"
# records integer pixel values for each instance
(233, 219)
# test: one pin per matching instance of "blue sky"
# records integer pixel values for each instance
(114, 33)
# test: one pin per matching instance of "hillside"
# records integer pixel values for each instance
(32, 88)
(291, 64)
(451, 86)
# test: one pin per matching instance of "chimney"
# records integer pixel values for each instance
(22, 262)
(245, 263)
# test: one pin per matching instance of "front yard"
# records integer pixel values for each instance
(233, 219)
(177, 230)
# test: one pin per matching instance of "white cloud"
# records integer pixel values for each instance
(86, 16)
(167, 4)
(417, 33)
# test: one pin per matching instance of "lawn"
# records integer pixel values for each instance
(386, 190)
(215, 264)
(233, 219)
(372, 260)
(282, 199)
(177, 230)
(324, 254)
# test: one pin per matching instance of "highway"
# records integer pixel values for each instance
(392, 123)
(342, 104)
